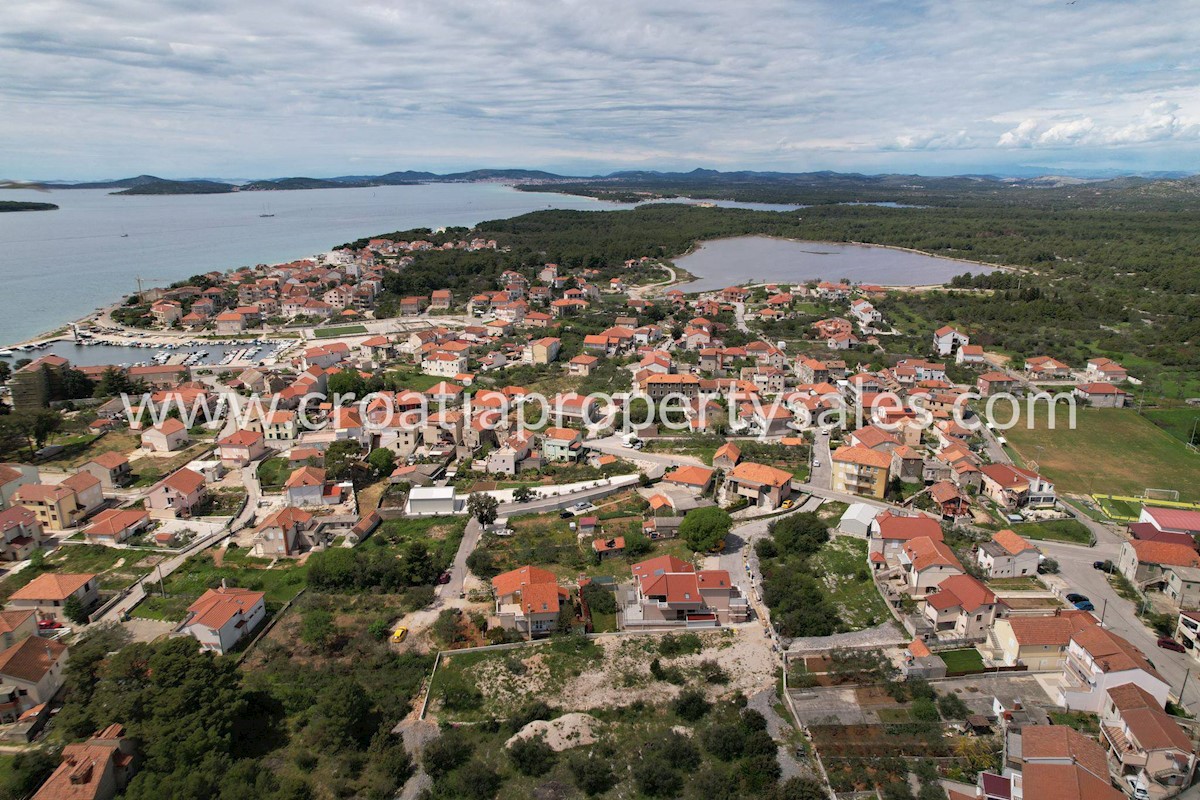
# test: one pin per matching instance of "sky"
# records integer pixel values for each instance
(94, 89)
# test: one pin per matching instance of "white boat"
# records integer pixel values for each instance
(6, 352)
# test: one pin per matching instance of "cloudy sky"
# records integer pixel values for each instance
(238, 89)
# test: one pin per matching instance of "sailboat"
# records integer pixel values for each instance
(266, 211)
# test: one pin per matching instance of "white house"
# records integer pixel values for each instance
(1098, 660)
(1008, 555)
(946, 339)
(223, 617)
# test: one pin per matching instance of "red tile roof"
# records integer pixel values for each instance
(52, 586)
(216, 607)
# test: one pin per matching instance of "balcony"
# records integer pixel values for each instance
(1122, 750)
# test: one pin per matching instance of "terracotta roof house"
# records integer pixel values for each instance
(889, 531)
(93, 770)
(1060, 763)
(1008, 555)
(670, 592)
(34, 668)
(176, 495)
(1145, 741)
(222, 617)
(1098, 660)
(528, 600)
(47, 593)
(111, 469)
(171, 435)
(861, 470)
(1039, 643)
(114, 525)
(1014, 487)
(927, 562)
(963, 606)
(698, 479)
(727, 456)
(764, 486)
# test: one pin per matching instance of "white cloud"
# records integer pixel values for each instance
(232, 88)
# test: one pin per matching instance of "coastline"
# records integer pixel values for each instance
(682, 277)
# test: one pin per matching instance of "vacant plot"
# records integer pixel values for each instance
(78, 449)
(965, 660)
(272, 473)
(1056, 530)
(842, 568)
(1110, 450)
(116, 568)
(576, 674)
(345, 330)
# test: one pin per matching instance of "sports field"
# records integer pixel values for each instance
(1110, 451)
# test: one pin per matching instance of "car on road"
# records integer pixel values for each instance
(1167, 643)
(787, 504)
(444, 577)
(1075, 597)
(399, 635)
(1084, 605)
(1105, 565)
(816, 464)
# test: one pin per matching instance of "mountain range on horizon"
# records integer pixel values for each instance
(1045, 177)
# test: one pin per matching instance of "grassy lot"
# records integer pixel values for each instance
(1179, 422)
(345, 330)
(81, 448)
(116, 568)
(546, 541)
(1027, 582)
(1056, 530)
(1111, 450)
(965, 660)
(842, 567)
(441, 534)
(199, 573)
(1079, 720)
(416, 381)
(150, 470)
(272, 472)
(701, 447)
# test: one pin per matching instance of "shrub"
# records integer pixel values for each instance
(445, 753)
(532, 756)
(690, 705)
(593, 775)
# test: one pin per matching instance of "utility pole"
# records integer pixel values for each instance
(1103, 611)
(1183, 686)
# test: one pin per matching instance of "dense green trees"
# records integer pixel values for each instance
(799, 605)
(705, 528)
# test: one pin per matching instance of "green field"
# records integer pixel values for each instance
(345, 330)
(966, 660)
(272, 472)
(1118, 509)
(1056, 530)
(1182, 423)
(1110, 451)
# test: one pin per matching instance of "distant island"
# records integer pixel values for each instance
(151, 184)
(22, 205)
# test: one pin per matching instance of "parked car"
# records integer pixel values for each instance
(1075, 597)
(1085, 605)
(1105, 565)
(444, 577)
(399, 635)
(566, 513)
(1167, 643)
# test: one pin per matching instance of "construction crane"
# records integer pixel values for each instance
(140, 279)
